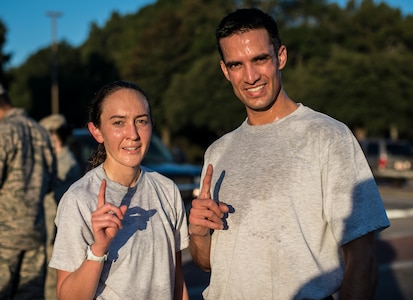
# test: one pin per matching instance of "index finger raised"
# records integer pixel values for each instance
(101, 196)
(206, 184)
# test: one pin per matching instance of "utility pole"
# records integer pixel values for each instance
(55, 83)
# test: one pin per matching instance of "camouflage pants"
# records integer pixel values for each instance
(50, 214)
(22, 273)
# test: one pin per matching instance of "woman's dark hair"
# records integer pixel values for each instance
(95, 111)
(244, 20)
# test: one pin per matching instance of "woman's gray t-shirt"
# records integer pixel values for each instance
(141, 260)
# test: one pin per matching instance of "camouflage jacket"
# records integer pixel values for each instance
(27, 174)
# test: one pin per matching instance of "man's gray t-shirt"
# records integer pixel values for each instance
(298, 189)
(141, 260)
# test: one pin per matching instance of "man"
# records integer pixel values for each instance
(68, 171)
(288, 195)
(27, 170)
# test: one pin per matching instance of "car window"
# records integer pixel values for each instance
(398, 149)
(373, 148)
(157, 153)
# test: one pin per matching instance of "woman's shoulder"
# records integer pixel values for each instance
(156, 177)
(85, 186)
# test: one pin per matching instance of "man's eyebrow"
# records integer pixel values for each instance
(261, 56)
(123, 117)
(142, 115)
(231, 63)
(117, 117)
(255, 58)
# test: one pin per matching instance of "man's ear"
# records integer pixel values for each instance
(95, 132)
(282, 57)
(224, 69)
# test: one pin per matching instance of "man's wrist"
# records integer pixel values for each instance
(192, 234)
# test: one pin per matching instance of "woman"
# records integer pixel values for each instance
(121, 227)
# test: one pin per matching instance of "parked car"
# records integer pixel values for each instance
(389, 159)
(159, 158)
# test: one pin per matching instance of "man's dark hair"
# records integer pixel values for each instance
(4, 97)
(246, 19)
(64, 132)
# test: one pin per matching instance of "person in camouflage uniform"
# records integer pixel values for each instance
(27, 172)
(68, 171)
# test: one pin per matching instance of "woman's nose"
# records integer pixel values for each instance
(133, 132)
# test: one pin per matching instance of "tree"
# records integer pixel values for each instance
(361, 76)
(352, 63)
(4, 57)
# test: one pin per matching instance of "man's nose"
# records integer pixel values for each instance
(251, 75)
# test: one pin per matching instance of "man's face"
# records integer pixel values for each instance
(253, 68)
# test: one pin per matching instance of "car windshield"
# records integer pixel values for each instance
(157, 153)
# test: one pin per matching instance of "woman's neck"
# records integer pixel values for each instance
(123, 175)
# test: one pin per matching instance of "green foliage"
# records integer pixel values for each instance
(79, 78)
(357, 68)
(4, 57)
(353, 63)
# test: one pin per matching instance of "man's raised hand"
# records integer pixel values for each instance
(205, 213)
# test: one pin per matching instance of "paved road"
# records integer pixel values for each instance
(394, 250)
(395, 245)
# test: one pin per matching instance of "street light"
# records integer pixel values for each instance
(55, 84)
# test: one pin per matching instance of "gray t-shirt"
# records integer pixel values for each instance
(298, 188)
(141, 260)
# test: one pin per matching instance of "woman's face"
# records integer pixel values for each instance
(125, 129)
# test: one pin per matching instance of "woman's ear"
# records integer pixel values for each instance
(95, 132)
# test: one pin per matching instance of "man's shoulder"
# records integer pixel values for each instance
(322, 121)
(17, 121)
(313, 114)
(226, 138)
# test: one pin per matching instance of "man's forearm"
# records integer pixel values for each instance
(359, 284)
(360, 275)
(199, 247)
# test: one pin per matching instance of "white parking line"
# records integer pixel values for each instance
(399, 213)
(396, 266)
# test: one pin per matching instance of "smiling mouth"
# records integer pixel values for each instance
(255, 89)
(130, 148)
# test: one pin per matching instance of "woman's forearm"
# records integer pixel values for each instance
(80, 284)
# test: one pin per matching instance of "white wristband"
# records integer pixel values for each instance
(91, 256)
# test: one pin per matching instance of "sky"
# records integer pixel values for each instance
(29, 28)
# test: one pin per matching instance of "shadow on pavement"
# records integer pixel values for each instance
(387, 286)
(196, 280)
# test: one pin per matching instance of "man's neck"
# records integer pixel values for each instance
(281, 108)
(4, 110)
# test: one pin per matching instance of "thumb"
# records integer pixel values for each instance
(123, 209)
